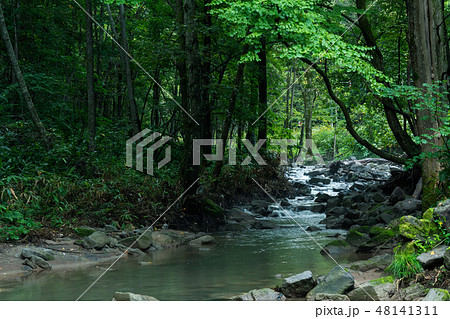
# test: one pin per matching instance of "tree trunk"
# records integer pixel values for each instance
(428, 52)
(130, 88)
(308, 99)
(19, 76)
(262, 87)
(90, 77)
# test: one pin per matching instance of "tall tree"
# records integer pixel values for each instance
(19, 76)
(130, 87)
(429, 64)
(90, 76)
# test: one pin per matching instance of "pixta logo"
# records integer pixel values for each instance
(151, 148)
(155, 141)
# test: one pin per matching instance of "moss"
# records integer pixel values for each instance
(375, 231)
(382, 280)
(413, 228)
(429, 214)
(355, 238)
(375, 208)
(446, 294)
(212, 209)
(364, 229)
(378, 240)
(338, 243)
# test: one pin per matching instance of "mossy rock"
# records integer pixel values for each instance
(413, 228)
(437, 294)
(355, 238)
(408, 248)
(364, 229)
(212, 209)
(429, 214)
(378, 240)
(382, 280)
(84, 231)
(337, 247)
(376, 230)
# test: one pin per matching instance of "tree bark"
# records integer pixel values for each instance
(19, 76)
(308, 99)
(428, 52)
(90, 76)
(130, 88)
(262, 88)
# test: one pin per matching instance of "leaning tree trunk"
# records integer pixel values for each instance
(428, 50)
(90, 77)
(19, 76)
(262, 87)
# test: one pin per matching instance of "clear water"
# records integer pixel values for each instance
(239, 262)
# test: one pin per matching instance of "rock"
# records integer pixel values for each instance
(412, 228)
(315, 208)
(129, 296)
(261, 207)
(442, 212)
(377, 262)
(302, 189)
(397, 195)
(330, 297)
(30, 264)
(437, 295)
(385, 218)
(284, 203)
(130, 251)
(204, 240)
(110, 229)
(363, 294)
(40, 262)
(162, 241)
(408, 207)
(333, 202)
(26, 268)
(338, 247)
(381, 239)
(263, 224)
(313, 228)
(299, 285)
(433, 258)
(46, 254)
(384, 287)
(336, 282)
(96, 240)
(317, 180)
(355, 238)
(316, 172)
(265, 294)
(447, 259)
(338, 211)
(142, 242)
(378, 197)
(322, 198)
(413, 292)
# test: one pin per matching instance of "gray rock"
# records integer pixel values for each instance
(40, 262)
(313, 228)
(284, 203)
(442, 211)
(363, 294)
(129, 296)
(377, 262)
(96, 240)
(336, 282)
(409, 206)
(318, 179)
(110, 228)
(397, 195)
(322, 198)
(330, 297)
(26, 268)
(142, 242)
(30, 264)
(46, 254)
(299, 285)
(265, 294)
(317, 172)
(433, 258)
(204, 240)
(378, 198)
(131, 251)
(447, 258)
(315, 208)
(162, 241)
(302, 189)
(384, 287)
(338, 248)
(437, 295)
(413, 292)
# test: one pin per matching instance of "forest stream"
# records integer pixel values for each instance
(238, 262)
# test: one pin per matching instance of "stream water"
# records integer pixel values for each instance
(239, 262)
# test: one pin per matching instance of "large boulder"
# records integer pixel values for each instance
(355, 238)
(261, 207)
(129, 296)
(337, 281)
(162, 241)
(317, 180)
(41, 262)
(265, 294)
(302, 189)
(44, 253)
(413, 292)
(315, 208)
(413, 228)
(433, 258)
(338, 247)
(96, 240)
(442, 212)
(410, 206)
(437, 295)
(384, 238)
(142, 242)
(330, 297)
(299, 285)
